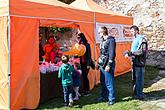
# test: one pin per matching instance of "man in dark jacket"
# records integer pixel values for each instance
(106, 63)
(138, 55)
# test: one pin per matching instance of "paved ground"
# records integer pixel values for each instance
(155, 99)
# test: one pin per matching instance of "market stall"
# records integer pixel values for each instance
(20, 22)
(25, 19)
(53, 43)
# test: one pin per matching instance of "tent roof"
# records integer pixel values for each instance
(51, 2)
(90, 5)
(52, 9)
(101, 14)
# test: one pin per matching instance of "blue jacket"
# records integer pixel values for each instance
(139, 49)
(108, 49)
(136, 43)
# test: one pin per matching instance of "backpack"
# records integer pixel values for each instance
(140, 59)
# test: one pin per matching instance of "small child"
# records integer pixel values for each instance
(76, 80)
(65, 72)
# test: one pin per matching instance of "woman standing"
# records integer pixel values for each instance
(85, 61)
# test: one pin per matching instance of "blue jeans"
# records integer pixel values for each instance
(68, 90)
(138, 81)
(107, 83)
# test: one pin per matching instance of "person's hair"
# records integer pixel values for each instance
(105, 30)
(65, 59)
(135, 28)
(50, 37)
(83, 38)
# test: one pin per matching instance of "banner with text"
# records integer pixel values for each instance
(119, 31)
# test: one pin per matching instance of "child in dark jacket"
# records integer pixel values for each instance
(65, 72)
(76, 80)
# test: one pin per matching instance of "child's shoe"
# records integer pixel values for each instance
(76, 98)
(87, 93)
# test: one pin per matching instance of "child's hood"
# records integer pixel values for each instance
(66, 66)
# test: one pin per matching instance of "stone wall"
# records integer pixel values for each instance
(149, 15)
(156, 58)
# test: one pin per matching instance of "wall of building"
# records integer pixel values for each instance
(149, 15)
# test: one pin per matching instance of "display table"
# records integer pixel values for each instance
(50, 86)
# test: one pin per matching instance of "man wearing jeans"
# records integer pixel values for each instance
(106, 63)
(138, 54)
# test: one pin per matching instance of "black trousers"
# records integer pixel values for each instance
(85, 81)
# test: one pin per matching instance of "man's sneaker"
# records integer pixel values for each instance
(70, 104)
(111, 103)
(139, 98)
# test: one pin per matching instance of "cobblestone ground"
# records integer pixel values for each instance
(155, 99)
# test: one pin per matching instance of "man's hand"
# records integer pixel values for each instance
(107, 68)
(127, 54)
(97, 66)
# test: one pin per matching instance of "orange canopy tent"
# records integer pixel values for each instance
(19, 24)
(108, 17)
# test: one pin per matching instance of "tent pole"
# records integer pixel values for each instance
(95, 45)
(8, 38)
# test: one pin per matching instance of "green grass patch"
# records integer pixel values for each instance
(150, 74)
(123, 88)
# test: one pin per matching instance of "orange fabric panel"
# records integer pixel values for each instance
(50, 2)
(114, 19)
(55, 11)
(92, 78)
(3, 64)
(123, 64)
(57, 23)
(97, 56)
(88, 30)
(25, 79)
